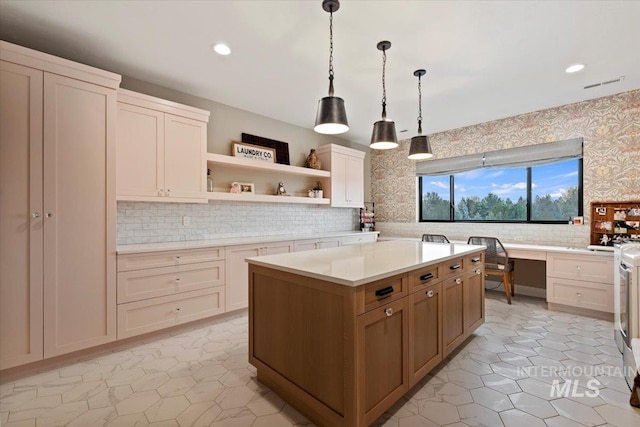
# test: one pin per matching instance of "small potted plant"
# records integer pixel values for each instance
(317, 189)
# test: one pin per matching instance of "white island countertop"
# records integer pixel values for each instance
(360, 264)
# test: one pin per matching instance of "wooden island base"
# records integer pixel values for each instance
(342, 355)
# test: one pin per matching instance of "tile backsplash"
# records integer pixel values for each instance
(143, 222)
(536, 234)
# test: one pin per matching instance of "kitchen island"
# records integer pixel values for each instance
(342, 333)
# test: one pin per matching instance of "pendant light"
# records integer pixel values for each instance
(420, 148)
(384, 131)
(331, 117)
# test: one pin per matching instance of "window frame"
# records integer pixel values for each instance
(529, 202)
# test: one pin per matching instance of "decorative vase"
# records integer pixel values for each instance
(318, 193)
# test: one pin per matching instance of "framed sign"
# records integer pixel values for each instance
(248, 151)
(282, 148)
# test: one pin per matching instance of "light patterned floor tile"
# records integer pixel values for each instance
(200, 377)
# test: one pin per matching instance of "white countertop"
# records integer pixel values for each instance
(524, 247)
(360, 264)
(231, 241)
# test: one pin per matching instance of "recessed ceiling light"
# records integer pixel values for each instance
(574, 68)
(221, 49)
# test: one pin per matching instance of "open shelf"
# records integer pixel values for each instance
(239, 162)
(219, 195)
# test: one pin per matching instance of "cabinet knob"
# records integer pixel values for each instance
(48, 215)
(177, 280)
(168, 192)
(388, 312)
(177, 258)
(478, 271)
(177, 310)
(35, 214)
(458, 280)
(160, 192)
(579, 268)
(578, 294)
(430, 294)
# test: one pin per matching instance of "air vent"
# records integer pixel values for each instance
(608, 82)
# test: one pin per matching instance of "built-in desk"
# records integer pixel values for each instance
(575, 279)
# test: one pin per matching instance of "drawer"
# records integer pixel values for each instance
(384, 291)
(140, 317)
(137, 285)
(128, 262)
(589, 268)
(358, 239)
(473, 261)
(580, 294)
(450, 268)
(423, 277)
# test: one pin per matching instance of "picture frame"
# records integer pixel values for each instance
(578, 220)
(601, 211)
(253, 152)
(247, 188)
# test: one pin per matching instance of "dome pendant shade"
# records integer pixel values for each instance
(384, 135)
(331, 118)
(420, 148)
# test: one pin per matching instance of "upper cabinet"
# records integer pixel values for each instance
(161, 148)
(345, 188)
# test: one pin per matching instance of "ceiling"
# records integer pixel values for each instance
(484, 60)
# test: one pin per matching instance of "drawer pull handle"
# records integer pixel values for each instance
(388, 312)
(426, 277)
(384, 291)
(476, 259)
(458, 280)
(430, 294)
(454, 267)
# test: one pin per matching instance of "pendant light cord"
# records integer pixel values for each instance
(419, 105)
(331, 52)
(384, 87)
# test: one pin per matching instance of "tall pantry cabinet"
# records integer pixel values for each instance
(57, 206)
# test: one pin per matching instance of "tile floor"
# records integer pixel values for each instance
(500, 377)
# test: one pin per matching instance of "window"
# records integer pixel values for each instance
(547, 193)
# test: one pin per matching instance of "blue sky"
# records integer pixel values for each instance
(553, 178)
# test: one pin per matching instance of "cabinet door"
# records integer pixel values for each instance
(237, 275)
(79, 223)
(425, 336)
(339, 179)
(185, 145)
(355, 182)
(20, 196)
(453, 314)
(140, 152)
(473, 300)
(382, 357)
(305, 245)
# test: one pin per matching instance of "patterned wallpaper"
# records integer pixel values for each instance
(610, 127)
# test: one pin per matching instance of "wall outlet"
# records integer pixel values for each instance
(186, 220)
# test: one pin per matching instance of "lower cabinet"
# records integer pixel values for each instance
(359, 239)
(382, 350)
(237, 270)
(312, 244)
(158, 290)
(378, 339)
(425, 332)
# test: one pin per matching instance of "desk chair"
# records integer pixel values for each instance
(435, 238)
(497, 262)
